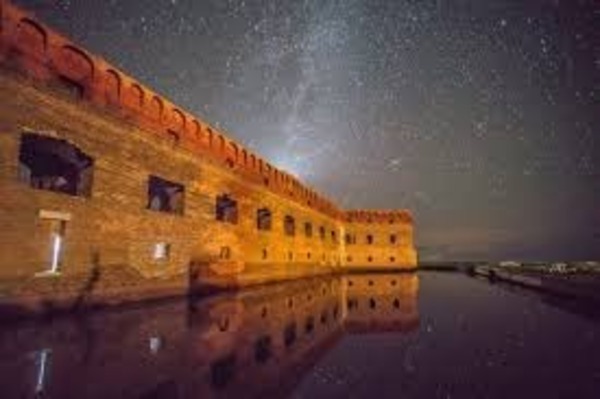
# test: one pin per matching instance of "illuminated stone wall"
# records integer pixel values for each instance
(133, 206)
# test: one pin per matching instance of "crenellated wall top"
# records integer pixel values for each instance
(378, 216)
(32, 48)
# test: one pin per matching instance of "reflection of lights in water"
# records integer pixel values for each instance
(42, 362)
(156, 344)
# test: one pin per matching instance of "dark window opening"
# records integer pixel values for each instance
(223, 324)
(370, 239)
(393, 239)
(71, 88)
(372, 303)
(370, 259)
(223, 371)
(289, 226)
(396, 303)
(392, 259)
(265, 254)
(352, 303)
(290, 256)
(324, 317)
(308, 229)
(226, 209)
(263, 349)
(333, 236)
(371, 283)
(164, 195)
(264, 219)
(51, 164)
(225, 253)
(322, 232)
(348, 239)
(349, 258)
(289, 335)
(309, 327)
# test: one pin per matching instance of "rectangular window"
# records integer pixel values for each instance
(162, 251)
(225, 253)
(263, 219)
(308, 229)
(393, 239)
(165, 196)
(57, 246)
(289, 226)
(226, 209)
(370, 239)
(54, 225)
(350, 239)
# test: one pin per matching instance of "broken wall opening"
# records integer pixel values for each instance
(53, 164)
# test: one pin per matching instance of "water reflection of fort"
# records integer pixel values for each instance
(257, 342)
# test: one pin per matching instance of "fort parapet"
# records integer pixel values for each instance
(111, 192)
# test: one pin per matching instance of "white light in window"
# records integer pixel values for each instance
(42, 359)
(56, 247)
(161, 251)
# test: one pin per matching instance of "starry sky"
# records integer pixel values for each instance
(482, 117)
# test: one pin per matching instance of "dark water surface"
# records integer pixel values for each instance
(431, 335)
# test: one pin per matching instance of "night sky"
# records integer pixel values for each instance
(482, 117)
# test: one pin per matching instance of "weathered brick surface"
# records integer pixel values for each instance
(132, 133)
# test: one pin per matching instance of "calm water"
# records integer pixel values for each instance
(433, 335)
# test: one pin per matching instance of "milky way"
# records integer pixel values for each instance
(476, 115)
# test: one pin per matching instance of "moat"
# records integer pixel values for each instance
(414, 335)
